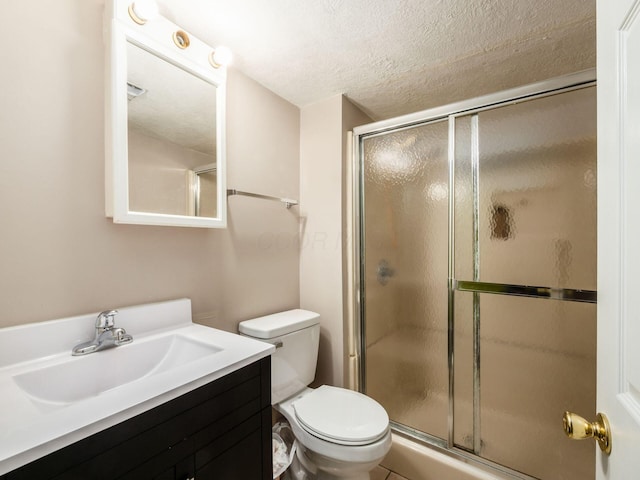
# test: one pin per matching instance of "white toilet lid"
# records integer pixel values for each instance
(341, 416)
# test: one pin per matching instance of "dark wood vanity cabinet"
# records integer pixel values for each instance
(219, 431)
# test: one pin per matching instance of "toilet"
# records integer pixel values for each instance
(340, 434)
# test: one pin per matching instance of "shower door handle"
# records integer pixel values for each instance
(577, 428)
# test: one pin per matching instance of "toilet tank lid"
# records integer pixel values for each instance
(278, 324)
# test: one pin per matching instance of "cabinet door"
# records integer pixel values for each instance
(243, 453)
(183, 470)
(242, 461)
(169, 474)
(186, 469)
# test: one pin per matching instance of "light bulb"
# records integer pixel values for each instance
(221, 57)
(143, 10)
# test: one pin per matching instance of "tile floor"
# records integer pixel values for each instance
(381, 473)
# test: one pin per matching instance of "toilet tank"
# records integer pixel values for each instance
(296, 335)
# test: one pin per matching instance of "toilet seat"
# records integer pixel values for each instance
(341, 416)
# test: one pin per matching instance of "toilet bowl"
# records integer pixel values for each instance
(336, 443)
(340, 434)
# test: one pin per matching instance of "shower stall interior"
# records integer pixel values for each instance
(477, 275)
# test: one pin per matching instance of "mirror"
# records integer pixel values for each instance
(171, 131)
(165, 126)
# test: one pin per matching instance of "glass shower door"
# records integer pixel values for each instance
(405, 243)
(525, 281)
(478, 280)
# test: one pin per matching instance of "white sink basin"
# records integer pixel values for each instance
(89, 375)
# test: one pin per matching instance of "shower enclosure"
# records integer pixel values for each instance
(477, 275)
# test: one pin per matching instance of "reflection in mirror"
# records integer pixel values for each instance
(171, 133)
(204, 181)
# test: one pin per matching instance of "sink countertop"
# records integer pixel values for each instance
(31, 427)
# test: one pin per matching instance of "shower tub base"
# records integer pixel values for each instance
(421, 462)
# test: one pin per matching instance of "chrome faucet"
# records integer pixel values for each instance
(107, 335)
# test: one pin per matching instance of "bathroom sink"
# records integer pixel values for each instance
(51, 398)
(86, 376)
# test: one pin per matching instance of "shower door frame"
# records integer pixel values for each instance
(357, 346)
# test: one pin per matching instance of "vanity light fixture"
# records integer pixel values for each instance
(141, 11)
(181, 39)
(220, 57)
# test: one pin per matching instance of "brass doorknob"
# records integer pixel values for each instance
(577, 428)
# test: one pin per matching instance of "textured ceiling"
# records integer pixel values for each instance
(393, 57)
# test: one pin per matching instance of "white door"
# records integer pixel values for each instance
(618, 27)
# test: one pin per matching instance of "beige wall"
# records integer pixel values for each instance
(322, 181)
(60, 256)
(260, 248)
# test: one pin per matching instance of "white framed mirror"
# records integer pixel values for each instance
(165, 123)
